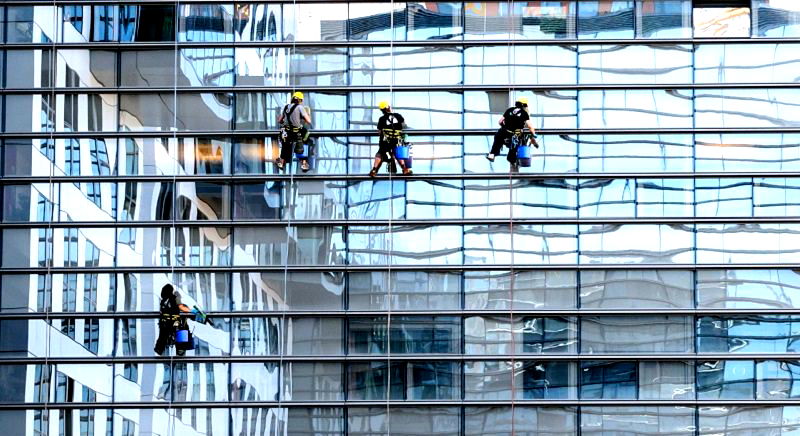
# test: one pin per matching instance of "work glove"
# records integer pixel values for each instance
(533, 141)
(199, 316)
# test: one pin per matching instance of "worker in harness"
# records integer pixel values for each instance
(514, 120)
(173, 315)
(390, 126)
(294, 134)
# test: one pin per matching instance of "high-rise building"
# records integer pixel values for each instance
(642, 276)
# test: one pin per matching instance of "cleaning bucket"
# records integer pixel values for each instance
(182, 336)
(524, 155)
(401, 152)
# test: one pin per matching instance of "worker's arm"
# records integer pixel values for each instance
(529, 123)
(502, 121)
(304, 115)
(280, 118)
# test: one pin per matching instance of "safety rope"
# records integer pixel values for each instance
(393, 161)
(173, 230)
(48, 236)
(290, 205)
(511, 78)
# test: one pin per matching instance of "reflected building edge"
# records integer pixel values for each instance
(657, 265)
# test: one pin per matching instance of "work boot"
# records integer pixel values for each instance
(279, 163)
(490, 157)
(304, 166)
(407, 172)
(373, 172)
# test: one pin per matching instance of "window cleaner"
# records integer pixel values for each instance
(392, 146)
(294, 136)
(173, 328)
(510, 133)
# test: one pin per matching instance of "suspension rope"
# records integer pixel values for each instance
(389, 282)
(511, 89)
(173, 229)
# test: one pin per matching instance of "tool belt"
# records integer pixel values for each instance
(392, 134)
(517, 132)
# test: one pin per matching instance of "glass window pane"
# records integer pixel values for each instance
(607, 198)
(615, 153)
(312, 422)
(530, 335)
(405, 66)
(753, 419)
(605, 420)
(32, 24)
(313, 336)
(315, 66)
(726, 379)
(147, 112)
(721, 22)
(776, 18)
(257, 336)
(742, 63)
(664, 19)
(370, 21)
(641, 334)
(31, 113)
(501, 20)
(553, 109)
(261, 66)
(204, 111)
(526, 290)
(532, 244)
(748, 288)
(258, 22)
(83, 68)
(776, 197)
(305, 246)
(642, 108)
(205, 22)
(146, 23)
(205, 67)
(666, 381)
(723, 108)
(523, 419)
(638, 243)
(608, 380)
(529, 198)
(629, 64)
(758, 243)
(404, 290)
(622, 289)
(147, 68)
(315, 22)
(751, 334)
(753, 153)
(503, 64)
(312, 381)
(421, 110)
(434, 20)
(414, 421)
(31, 68)
(254, 381)
(417, 245)
(607, 20)
(777, 380)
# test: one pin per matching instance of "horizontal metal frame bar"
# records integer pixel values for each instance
(410, 132)
(397, 88)
(369, 268)
(411, 313)
(133, 45)
(396, 222)
(688, 357)
(237, 179)
(399, 404)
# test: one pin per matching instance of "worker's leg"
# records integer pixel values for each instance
(163, 339)
(500, 138)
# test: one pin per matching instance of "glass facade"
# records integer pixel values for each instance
(642, 276)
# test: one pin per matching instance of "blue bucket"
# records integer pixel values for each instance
(401, 152)
(182, 336)
(304, 154)
(524, 155)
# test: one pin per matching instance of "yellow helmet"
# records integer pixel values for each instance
(523, 100)
(298, 95)
(383, 105)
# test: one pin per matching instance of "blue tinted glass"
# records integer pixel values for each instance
(605, 19)
(726, 379)
(753, 334)
(776, 18)
(608, 380)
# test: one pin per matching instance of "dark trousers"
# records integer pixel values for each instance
(163, 338)
(501, 138)
(292, 138)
